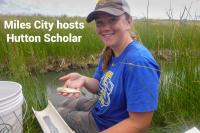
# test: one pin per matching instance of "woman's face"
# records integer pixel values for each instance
(112, 30)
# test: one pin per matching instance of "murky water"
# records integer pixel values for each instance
(52, 82)
(168, 74)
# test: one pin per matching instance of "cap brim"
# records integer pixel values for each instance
(112, 11)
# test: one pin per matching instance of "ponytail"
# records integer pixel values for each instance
(106, 57)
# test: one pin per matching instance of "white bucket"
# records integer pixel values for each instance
(11, 100)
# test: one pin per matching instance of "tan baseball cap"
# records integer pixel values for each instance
(113, 7)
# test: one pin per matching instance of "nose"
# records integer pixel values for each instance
(105, 26)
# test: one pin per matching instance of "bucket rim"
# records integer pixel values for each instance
(14, 107)
(10, 100)
(17, 92)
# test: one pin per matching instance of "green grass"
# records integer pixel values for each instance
(37, 53)
(179, 91)
(179, 94)
(34, 91)
(169, 35)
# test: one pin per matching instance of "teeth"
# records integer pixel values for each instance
(108, 34)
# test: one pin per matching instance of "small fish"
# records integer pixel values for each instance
(67, 90)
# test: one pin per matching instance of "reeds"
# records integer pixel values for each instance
(175, 45)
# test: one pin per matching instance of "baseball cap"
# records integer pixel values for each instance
(113, 7)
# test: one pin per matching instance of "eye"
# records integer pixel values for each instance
(98, 23)
(113, 20)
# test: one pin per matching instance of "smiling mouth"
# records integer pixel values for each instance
(107, 35)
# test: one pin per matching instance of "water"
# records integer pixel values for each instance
(52, 83)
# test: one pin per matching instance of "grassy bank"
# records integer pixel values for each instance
(175, 44)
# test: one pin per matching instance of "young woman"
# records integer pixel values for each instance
(126, 79)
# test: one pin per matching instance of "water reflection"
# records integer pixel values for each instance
(52, 82)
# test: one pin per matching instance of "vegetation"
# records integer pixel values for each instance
(175, 45)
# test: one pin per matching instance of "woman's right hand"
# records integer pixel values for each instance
(73, 80)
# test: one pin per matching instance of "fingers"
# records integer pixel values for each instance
(70, 76)
(66, 77)
(66, 84)
(72, 80)
(76, 95)
(63, 94)
(74, 83)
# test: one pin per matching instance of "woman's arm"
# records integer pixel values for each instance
(91, 84)
(136, 123)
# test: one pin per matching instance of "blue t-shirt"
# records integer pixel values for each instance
(130, 85)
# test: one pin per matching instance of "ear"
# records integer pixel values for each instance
(130, 20)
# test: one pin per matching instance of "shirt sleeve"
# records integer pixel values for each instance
(141, 86)
(98, 72)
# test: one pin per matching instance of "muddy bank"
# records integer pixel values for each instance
(57, 64)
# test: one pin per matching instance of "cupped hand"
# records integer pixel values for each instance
(73, 80)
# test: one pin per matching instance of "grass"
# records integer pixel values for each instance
(178, 107)
(37, 53)
(179, 93)
(34, 91)
(165, 34)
